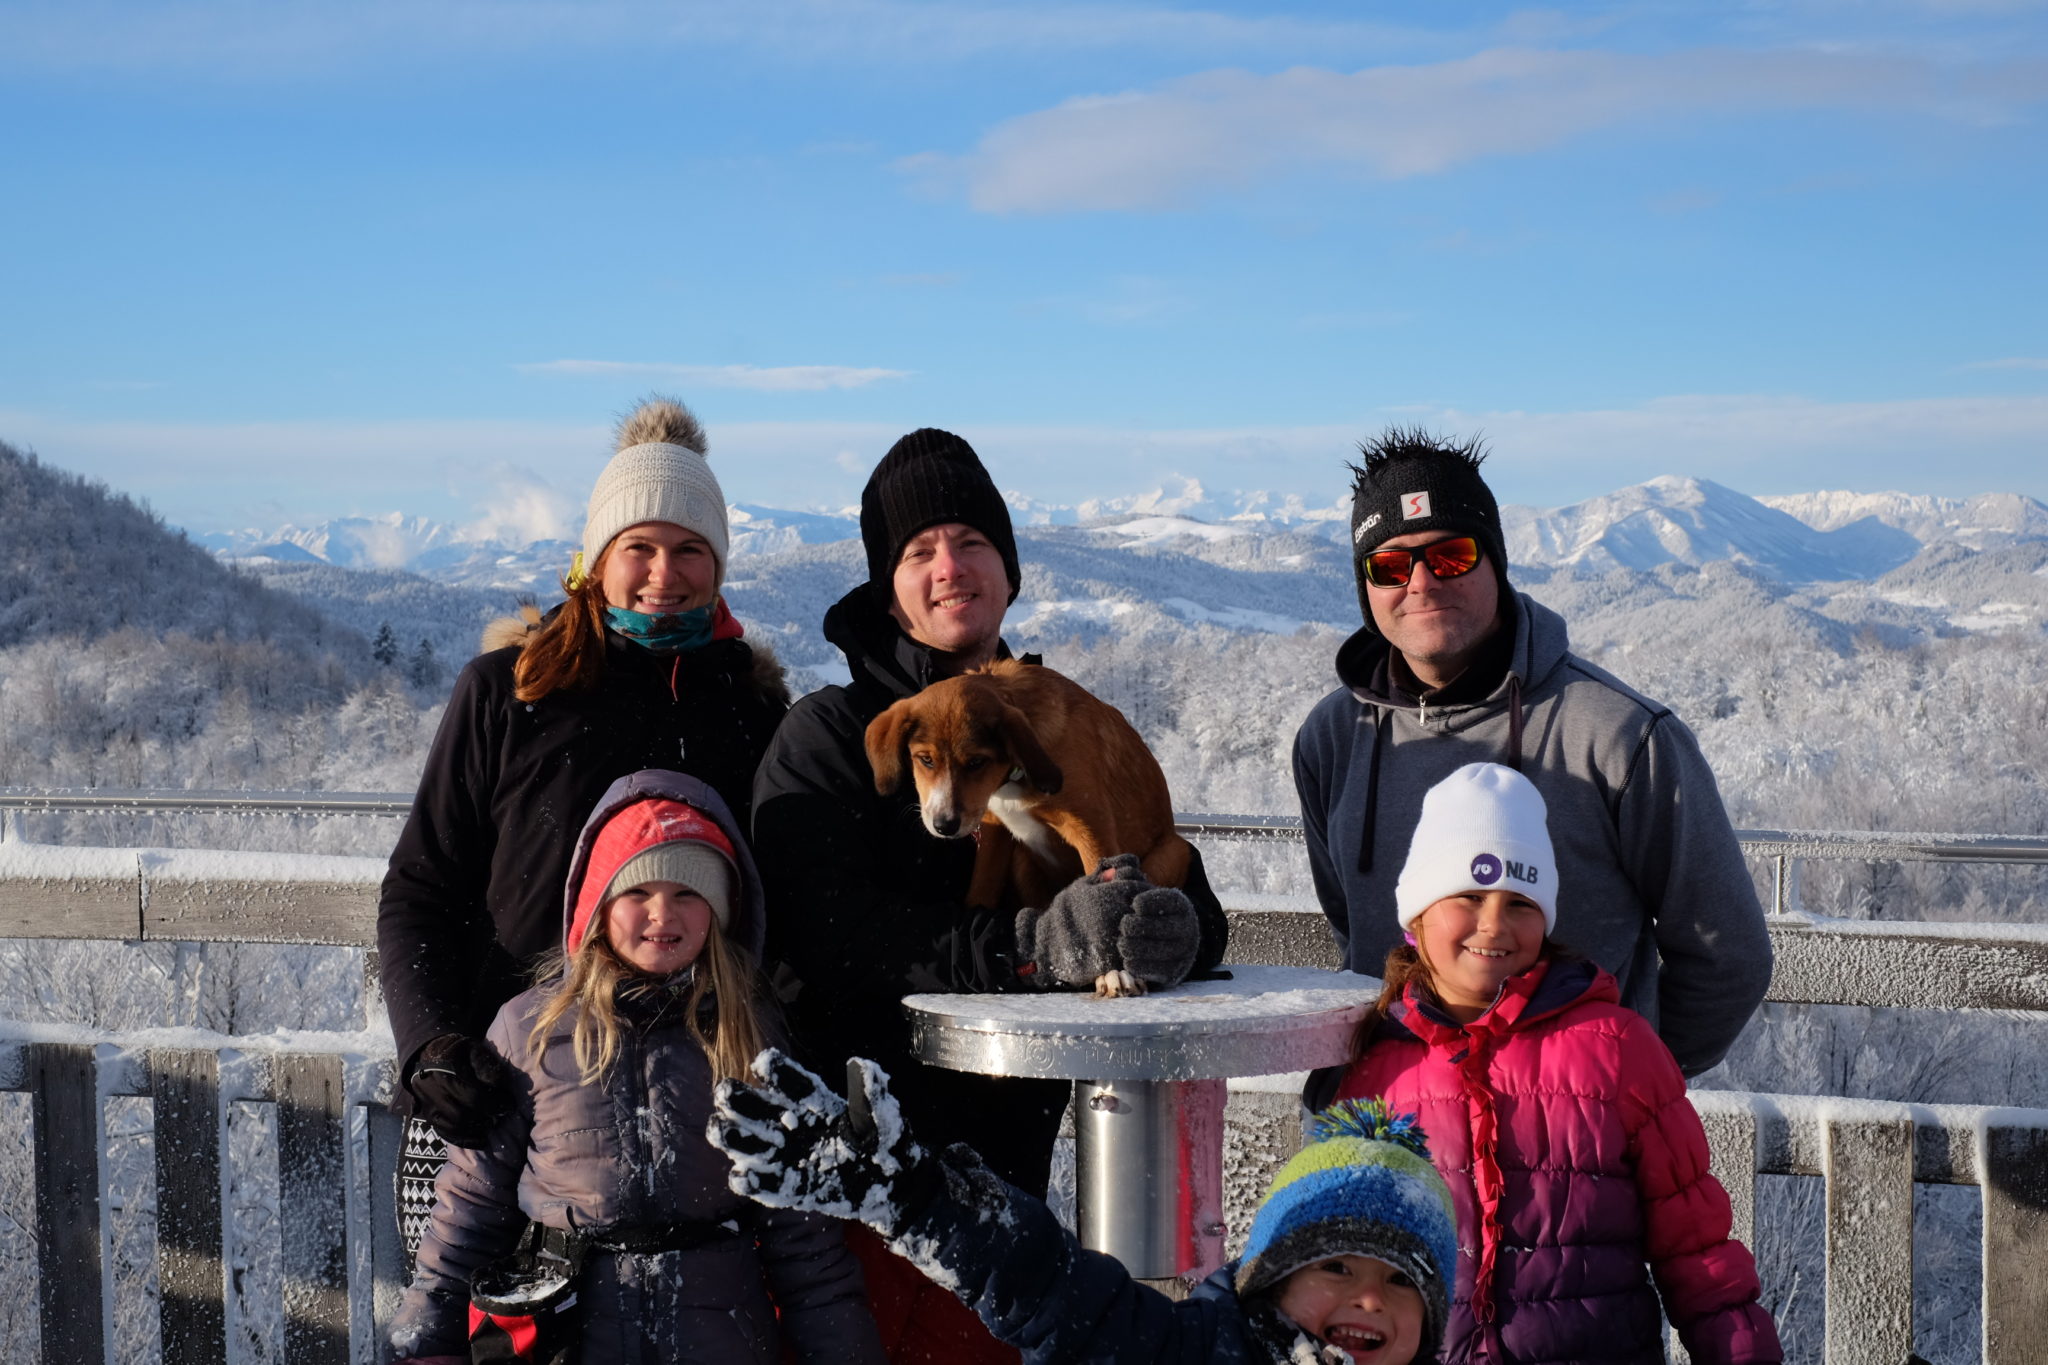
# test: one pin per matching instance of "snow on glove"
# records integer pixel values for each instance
(1160, 937)
(796, 1145)
(458, 1085)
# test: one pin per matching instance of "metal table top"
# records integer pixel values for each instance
(1262, 1021)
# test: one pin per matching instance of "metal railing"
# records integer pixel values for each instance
(338, 1143)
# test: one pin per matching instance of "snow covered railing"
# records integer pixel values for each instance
(337, 1146)
(1870, 1154)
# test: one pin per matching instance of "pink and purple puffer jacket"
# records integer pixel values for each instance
(1579, 1170)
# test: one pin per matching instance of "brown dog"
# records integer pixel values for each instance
(1053, 777)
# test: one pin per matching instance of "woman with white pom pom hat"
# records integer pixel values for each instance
(643, 666)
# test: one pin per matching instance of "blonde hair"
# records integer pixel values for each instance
(594, 978)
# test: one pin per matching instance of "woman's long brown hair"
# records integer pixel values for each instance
(567, 653)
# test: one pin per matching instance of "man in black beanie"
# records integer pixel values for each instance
(865, 905)
(1454, 666)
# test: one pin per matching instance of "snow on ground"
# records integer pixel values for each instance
(1997, 617)
(1233, 618)
(1164, 530)
(1026, 616)
(1254, 995)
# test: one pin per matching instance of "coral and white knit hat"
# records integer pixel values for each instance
(658, 474)
(657, 840)
(1363, 1186)
(1483, 828)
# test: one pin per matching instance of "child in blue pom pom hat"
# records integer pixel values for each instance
(1345, 1265)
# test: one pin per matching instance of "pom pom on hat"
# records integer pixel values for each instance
(659, 473)
(1483, 828)
(1363, 1186)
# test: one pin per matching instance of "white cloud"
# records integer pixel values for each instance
(1222, 130)
(522, 507)
(766, 379)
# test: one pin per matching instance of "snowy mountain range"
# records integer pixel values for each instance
(1799, 538)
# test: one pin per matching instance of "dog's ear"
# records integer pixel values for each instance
(887, 735)
(1028, 753)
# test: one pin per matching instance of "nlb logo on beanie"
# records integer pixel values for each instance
(1483, 827)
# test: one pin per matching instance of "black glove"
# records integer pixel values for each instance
(1087, 932)
(796, 1145)
(458, 1085)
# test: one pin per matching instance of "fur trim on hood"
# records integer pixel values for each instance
(507, 632)
(512, 632)
(663, 420)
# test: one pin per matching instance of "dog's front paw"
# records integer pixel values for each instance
(1112, 984)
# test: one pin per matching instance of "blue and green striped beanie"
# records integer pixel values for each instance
(1363, 1186)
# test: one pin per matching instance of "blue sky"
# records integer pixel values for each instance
(268, 262)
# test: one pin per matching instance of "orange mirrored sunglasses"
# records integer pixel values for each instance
(1453, 557)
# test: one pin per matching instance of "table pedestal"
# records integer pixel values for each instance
(1148, 1174)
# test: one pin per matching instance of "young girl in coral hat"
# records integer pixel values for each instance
(595, 1223)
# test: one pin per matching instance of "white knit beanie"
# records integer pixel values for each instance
(1482, 829)
(658, 474)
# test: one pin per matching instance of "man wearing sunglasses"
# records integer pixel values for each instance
(1454, 666)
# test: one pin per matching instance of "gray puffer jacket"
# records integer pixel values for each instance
(629, 1153)
(1651, 882)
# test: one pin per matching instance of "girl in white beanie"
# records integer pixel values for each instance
(1557, 1117)
(643, 667)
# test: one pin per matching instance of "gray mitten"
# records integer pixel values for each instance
(796, 1145)
(1160, 937)
(1108, 926)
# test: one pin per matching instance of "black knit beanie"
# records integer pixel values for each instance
(1411, 481)
(928, 478)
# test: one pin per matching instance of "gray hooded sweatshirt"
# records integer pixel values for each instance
(629, 1153)
(1652, 885)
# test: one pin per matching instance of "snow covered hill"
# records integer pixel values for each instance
(1987, 520)
(1673, 520)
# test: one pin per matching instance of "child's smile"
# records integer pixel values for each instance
(1475, 940)
(1359, 1304)
(658, 927)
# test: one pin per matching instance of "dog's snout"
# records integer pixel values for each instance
(946, 826)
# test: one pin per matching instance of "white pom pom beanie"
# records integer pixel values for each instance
(658, 474)
(1483, 828)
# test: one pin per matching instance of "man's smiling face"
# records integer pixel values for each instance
(951, 590)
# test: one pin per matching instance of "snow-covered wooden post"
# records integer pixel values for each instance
(1869, 1233)
(77, 1312)
(312, 1197)
(2012, 1165)
(184, 1087)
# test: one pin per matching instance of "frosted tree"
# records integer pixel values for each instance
(423, 670)
(384, 649)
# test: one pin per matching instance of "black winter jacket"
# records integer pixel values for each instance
(864, 907)
(474, 891)
(1034, 1286)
